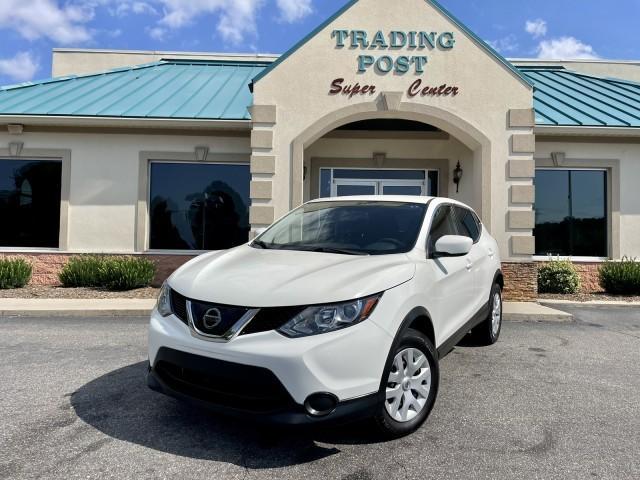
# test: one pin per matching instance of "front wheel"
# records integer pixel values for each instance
(410, 385)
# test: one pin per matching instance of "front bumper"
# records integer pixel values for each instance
(346, 364)
(189, 378)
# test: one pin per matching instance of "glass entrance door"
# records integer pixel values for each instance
(340, 182)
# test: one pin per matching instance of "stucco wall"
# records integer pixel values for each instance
(478, 116)
(105, 180)
(628, 155)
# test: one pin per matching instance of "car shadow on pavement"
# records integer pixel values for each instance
(120, 405)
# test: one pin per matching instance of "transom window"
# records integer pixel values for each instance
(30, 203)
(198, 206)
(571, 212)
(341, 182)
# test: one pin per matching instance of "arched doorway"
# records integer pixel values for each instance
(415, 142)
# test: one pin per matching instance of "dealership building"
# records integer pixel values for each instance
(171, 154)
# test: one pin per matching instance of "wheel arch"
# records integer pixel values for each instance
(419, 319)
(499, 279)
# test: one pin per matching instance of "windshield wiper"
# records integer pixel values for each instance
(261, 244)
(343, 251)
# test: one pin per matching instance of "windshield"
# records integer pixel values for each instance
(347, 227)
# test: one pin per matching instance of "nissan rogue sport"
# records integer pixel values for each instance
(340, 310)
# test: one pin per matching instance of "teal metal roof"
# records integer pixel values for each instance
(481, 43)
(166, 89)
(567, 98)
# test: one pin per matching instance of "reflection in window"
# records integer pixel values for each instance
(198, 206)
(30, 203)
(571, 213)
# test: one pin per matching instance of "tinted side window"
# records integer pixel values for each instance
(467, 224)
(443, 224)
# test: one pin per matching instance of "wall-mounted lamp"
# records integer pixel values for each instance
(15, 148)
(202, 153)
(457, 176)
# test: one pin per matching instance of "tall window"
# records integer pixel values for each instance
(198, 206)
(571, 212)
(30, 203)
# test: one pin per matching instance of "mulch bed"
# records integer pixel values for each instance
(588, 297)
(37, 291)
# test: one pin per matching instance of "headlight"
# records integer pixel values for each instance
(164, 301)
(329, 318)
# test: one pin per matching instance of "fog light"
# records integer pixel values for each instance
(320, 404)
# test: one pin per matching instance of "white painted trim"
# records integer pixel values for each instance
(587, 131)
(125, 122)
(543, 258)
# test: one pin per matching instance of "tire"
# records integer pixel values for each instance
(412, 344)
(488, 332)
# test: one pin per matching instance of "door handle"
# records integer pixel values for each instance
(469, 265)
(491, 253)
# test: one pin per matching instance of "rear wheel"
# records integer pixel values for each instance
(410, 385)
(488, 332)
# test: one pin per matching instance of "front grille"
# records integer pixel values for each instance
(179, 306)
(214, 319)
(267, 319)
(271, 319)
(233, 385)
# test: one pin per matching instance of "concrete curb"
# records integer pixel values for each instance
(533, 312)
(120, 308)
(590, 303)
(41, 313)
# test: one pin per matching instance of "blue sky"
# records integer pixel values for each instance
(29, 29)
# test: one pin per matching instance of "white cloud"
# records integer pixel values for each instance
(294, 10)
(565, 48)
(536, 28)
(236, 18)
(505, 45)
(157, 33)
(124, 8)
(21, 67)
(34, 19)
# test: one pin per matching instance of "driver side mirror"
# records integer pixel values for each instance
(452, 246)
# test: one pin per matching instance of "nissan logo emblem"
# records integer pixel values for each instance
(212, 318)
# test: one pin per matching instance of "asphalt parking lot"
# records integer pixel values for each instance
(548, 401)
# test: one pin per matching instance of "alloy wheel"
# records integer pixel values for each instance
(496, 314)
(408, 385)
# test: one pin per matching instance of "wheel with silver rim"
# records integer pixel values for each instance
(409, 384)
(488, 332)
(496, 314)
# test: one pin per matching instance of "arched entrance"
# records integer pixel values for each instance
(453, 139)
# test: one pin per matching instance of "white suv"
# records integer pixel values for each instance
(340, 310)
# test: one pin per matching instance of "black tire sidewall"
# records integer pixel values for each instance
(495, 289)
(409, 339)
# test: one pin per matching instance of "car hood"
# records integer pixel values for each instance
(246, 276)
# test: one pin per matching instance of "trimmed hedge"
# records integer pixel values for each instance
(14, 273)
(111, 273)
(558, 276)
(127, 273)
(82, 271)
(620, 278)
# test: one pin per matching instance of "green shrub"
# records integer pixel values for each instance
(558, 276)
(620, 278)
(127, 273)
(14, 272)
(112, 273)
(82, 271)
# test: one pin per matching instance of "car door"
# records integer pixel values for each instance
(478, 259)
(452, 287)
